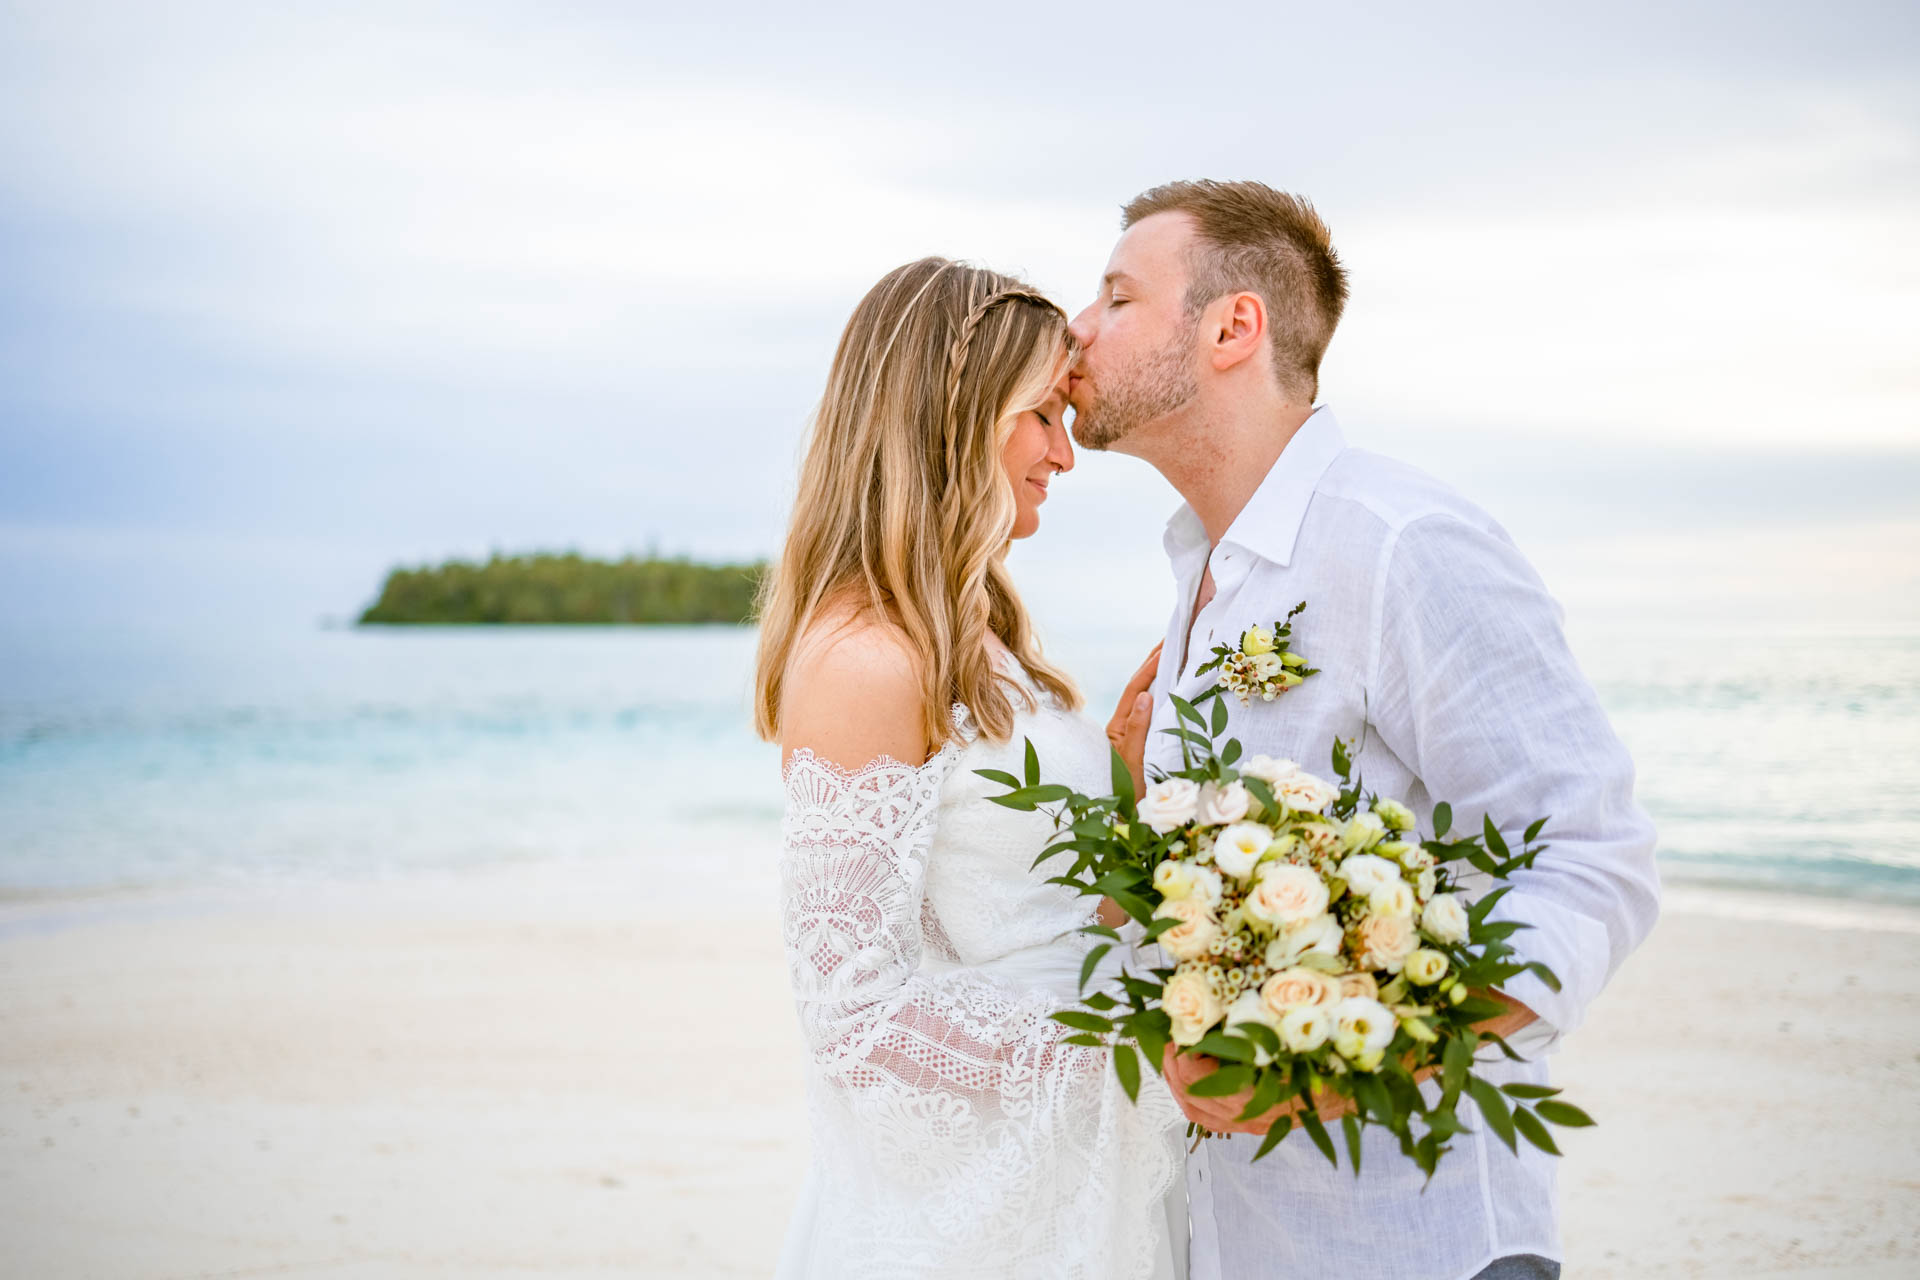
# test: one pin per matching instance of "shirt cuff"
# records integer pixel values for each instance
(1573, 945)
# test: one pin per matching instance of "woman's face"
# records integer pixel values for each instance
(1038, 447)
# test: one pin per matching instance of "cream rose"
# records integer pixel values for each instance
(1359, 984)
(1386, 942)
(1286, 895)
(1306, 793)
(1256, 640)
(1190, 1004)
(1306, 1027)
(1219, 806)
(1445, 919)
(1426, 967)
(1239, 846)
(1364, 873)
(1207, 885)
(1169, 803)
(1296, 986)
(1196, 931)
(1268, 769)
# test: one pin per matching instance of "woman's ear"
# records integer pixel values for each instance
(1241, 330)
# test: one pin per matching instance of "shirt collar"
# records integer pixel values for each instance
(1270, 523)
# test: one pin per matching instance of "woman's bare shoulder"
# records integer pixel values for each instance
(853, 692)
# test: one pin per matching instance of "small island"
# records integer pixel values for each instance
(549, 587)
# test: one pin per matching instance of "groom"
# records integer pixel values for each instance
(1201, 356)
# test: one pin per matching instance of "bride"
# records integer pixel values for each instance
(953, 1134)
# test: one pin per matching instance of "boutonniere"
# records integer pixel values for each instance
(1259, 662)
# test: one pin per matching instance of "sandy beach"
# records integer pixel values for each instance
(477, 1075)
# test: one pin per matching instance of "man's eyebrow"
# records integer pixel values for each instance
(1112, 276)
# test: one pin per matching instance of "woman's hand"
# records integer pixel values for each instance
(1127, 731)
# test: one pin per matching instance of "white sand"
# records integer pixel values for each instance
(472, 1076)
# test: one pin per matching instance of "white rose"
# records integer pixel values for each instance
(1428, 882)
(1395, 899)
(1320, 936)
(1196, 931)
(1169, 803)
(1256, 640)
(1306, 793)
(1369, 1022)
(1239, 846)
(1219, 806)
(1173, 879)
(1364, 873)
(1426, 967)
(1266, 665)
(1396, 815)
(1190, 1004)
(1306, 1027)
(1445, 919)
(1364, 830)
(1297, 986)
(1386, 942)
(1268, 769)
(1286, 895)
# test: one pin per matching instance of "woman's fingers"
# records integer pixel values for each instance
(1141, 682)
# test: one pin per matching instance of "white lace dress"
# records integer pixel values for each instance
(952, 1134)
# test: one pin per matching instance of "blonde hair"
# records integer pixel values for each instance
(904, 511)
(1249, 236)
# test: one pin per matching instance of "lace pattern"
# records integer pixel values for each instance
(954, 1135)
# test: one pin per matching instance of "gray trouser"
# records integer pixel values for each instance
(1521, 1266)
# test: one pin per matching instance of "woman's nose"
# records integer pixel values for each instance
(1060, 447)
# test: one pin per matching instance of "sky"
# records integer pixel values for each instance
(292, 294)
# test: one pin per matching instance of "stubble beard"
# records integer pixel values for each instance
(1140, 393)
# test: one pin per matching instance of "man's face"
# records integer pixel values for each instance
(1136, 340)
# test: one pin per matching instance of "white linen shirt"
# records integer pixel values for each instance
(1437, 641)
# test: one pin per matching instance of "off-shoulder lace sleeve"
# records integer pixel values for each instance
(954, 1135)
(853, 871)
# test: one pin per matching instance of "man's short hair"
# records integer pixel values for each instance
(1253, 238)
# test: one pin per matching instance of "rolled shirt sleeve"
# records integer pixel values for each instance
(1474, 688)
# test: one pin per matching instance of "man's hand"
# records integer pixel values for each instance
(1220, 1114)
(1127, 731)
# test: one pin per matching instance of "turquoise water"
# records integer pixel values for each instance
(144, 758)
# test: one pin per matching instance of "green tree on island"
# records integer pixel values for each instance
(545, 587)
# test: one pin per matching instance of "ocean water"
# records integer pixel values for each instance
(154, 757)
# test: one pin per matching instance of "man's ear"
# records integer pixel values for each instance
(1240, 329)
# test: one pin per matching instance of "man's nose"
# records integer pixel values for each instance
(1081, 326)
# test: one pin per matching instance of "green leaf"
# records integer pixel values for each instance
(1132, 905)
(1082, 1021)
(1025, 806)
(1087, 1038)
(1442, 819)
(1230, 752)
(1318, 1132)
(1534, 830)
(1153, 1044)
(1492, 836)
(1564, 1114)
(1219, 717)
(1266, 1093)
(1000, 776)
(1261, 1035)
(1494, 1108)
(1342, 765)
(1225, 1047)
(1185, 710)
(1122, 780)
(1351, 1128)
(1533, 1131)
(1127, 1067)
(1092, 961)
(1033, 765)
(1456, 1058)
(1281, 1128)
(1528, 1091)
(1222, 1082)
(1100, 1000)
(1547, 976)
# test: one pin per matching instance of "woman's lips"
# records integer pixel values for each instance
(1039, 488)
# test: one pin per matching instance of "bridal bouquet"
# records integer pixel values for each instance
(1318, 942)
